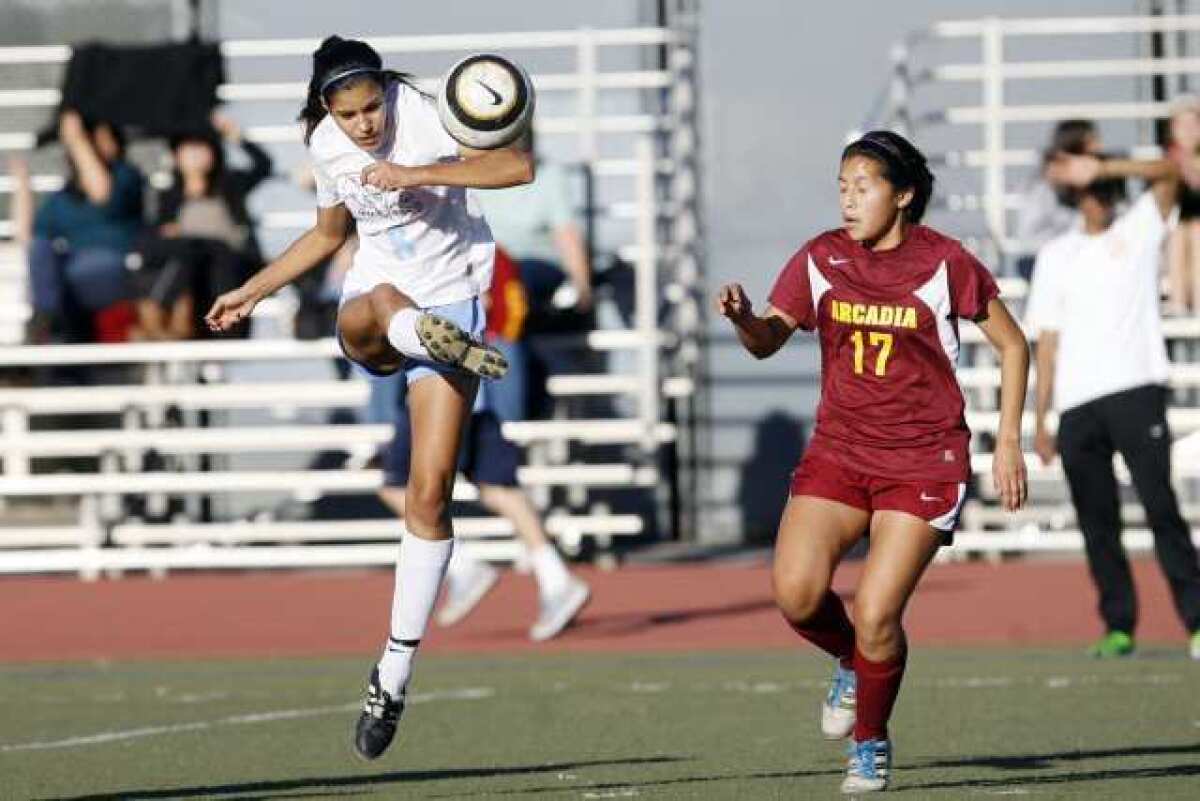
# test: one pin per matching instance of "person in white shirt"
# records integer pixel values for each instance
(410, 301)
(1094, 310)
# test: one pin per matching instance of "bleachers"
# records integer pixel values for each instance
(236, 419)
(988, 137)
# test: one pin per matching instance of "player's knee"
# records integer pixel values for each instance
(386, 300)
(426, 501)
(876, 625)
(797, 596)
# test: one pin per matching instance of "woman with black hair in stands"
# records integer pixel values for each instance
(411, 302)
(81, 235)
(889, 455)
(204, 243)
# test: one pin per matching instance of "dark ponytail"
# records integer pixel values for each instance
(904, 166)
(339, 64)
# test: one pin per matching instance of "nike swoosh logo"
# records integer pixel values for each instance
(929, 499)
(496, 98)
(835, 262)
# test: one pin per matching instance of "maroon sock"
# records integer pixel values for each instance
(878, 686)
(830, 629)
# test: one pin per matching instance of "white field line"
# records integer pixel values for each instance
(465, 694)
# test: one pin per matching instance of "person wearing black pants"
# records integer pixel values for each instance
(1093, 307)
(1134, 424)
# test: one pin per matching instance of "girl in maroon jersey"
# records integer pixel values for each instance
(889, 454)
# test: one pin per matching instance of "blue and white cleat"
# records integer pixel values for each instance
(869, 767)
(838, 708)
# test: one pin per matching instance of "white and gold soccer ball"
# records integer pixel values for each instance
(485, 101)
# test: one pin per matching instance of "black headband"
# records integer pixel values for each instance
(886, 150)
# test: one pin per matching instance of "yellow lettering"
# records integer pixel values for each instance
(872, 317)
(858, 314)
(887, 315)
(910, 318)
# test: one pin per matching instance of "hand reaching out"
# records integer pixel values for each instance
(733, 304)
(230, 309)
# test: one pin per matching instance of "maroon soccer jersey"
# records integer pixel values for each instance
(888, 325)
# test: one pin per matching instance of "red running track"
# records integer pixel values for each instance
(637, 608)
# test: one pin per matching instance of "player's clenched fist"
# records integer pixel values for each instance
(733, 303)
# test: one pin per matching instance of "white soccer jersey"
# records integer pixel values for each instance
(430, 242)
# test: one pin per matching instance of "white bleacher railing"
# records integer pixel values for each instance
(622, 128)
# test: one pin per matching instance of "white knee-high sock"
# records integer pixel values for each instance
(402, 333)
(419, 572)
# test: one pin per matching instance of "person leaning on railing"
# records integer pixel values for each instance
(536, 224)
(81, 235)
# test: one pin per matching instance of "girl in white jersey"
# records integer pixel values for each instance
(411, 301)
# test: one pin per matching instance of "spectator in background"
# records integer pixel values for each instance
(81, 235)
(1183, 243)
(204, 242)
(537, 225)
(1094, 308)
(1042, 214)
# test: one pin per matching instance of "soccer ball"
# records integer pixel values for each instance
(485, 101)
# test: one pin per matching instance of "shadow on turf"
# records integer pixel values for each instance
(1032, 761)
(620, 624)
(1008, 763)
(281, 789)
(1035, 761)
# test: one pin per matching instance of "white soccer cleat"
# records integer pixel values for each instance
(838, 710)
(558, 612)
(869, 767)
(464, 594)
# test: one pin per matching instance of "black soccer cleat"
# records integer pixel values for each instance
(377, 723)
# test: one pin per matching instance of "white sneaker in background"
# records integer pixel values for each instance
(558, 611)
(464, 594)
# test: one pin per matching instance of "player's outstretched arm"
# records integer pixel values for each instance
(477, 169)
(1008, 462)
(313, 247)
(761, 336)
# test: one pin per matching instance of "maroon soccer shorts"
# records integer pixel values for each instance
(937, 502)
